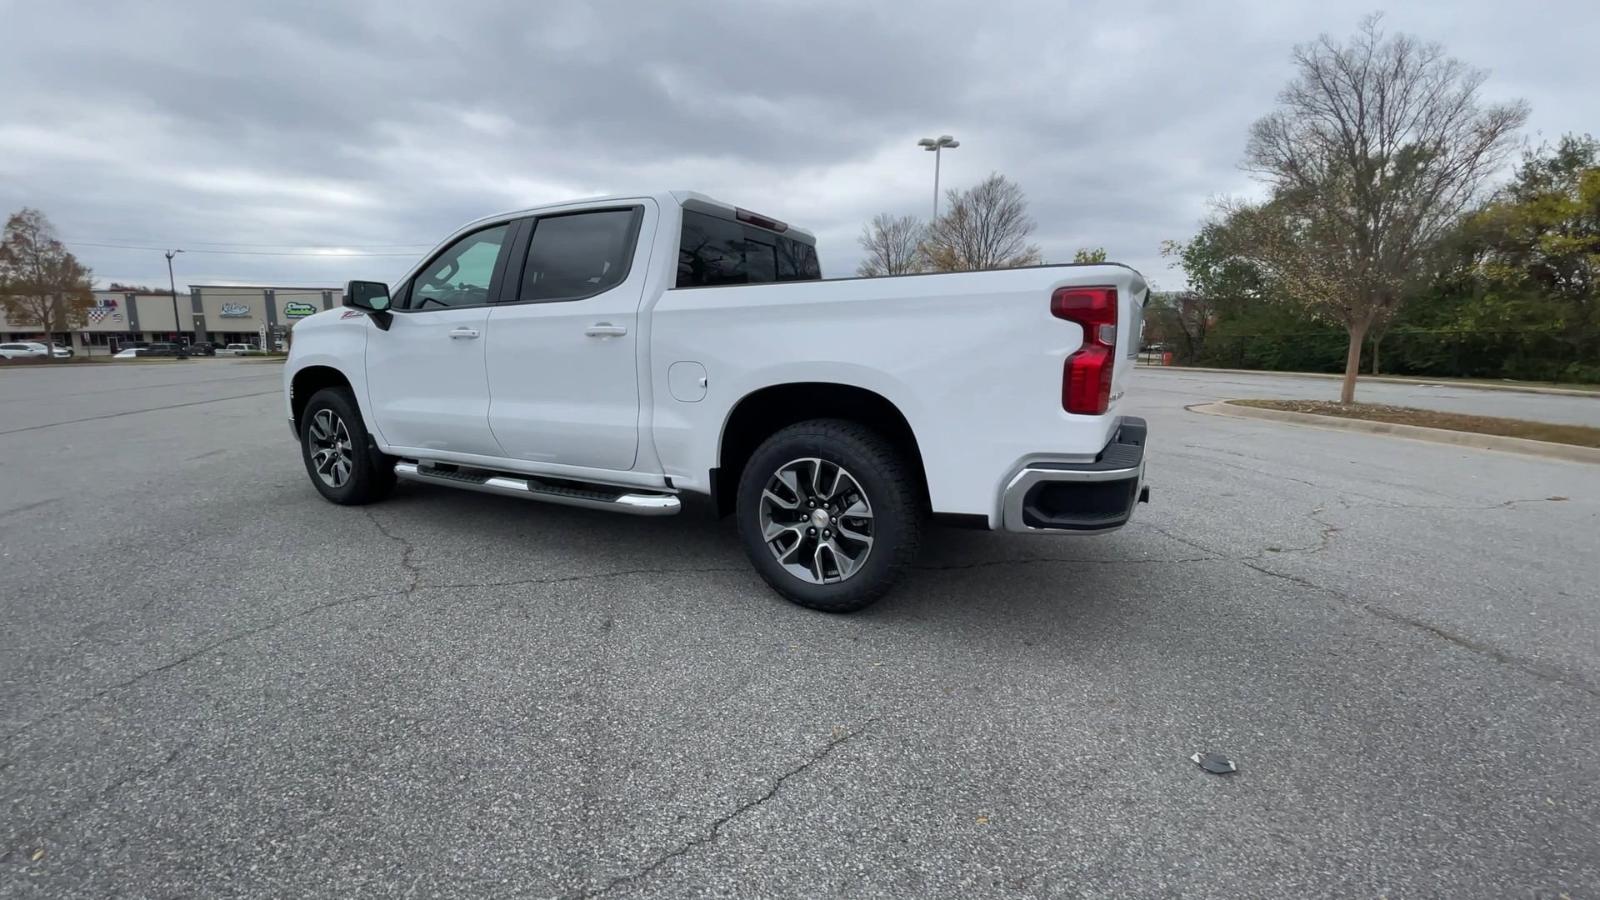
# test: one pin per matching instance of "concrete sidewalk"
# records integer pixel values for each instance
(1396, 379)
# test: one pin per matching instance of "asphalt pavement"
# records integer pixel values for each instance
(213, 683)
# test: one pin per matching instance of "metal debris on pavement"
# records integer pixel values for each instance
(1216, 765)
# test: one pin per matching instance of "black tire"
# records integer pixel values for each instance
(888, 481)
(371, 474)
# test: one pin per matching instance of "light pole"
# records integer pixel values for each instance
(177, 325)
(936, 146)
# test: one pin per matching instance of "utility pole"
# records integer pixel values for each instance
(177, 324)
(936, 146)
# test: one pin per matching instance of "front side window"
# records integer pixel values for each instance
(460, 276)
(578, 255)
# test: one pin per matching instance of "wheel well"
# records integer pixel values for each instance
(307, 382)
(763, 412)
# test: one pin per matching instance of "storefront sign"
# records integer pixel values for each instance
(104, 308)
(299, 310)
(235, 311)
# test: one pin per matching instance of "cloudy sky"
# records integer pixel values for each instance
(287, 138)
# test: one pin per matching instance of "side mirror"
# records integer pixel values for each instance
(368, 295)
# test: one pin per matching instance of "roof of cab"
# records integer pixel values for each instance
(676, 198)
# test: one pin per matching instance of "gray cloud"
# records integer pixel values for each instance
(385, 125)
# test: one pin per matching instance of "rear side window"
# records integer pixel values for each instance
(579, 255)
(713, 250)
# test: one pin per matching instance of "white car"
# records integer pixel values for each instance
(23, 349)
(131, 353)
(235, 349)
(632, 352)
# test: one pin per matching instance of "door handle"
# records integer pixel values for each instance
(605, 330)
(458, 333)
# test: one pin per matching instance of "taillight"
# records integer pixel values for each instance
(1086, 379)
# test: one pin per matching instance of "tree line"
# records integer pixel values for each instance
(1383, 241)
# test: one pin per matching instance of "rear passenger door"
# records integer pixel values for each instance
(563, 347)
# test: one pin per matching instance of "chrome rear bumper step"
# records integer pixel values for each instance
(527, 487)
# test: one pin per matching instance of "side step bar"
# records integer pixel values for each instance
(527, 487)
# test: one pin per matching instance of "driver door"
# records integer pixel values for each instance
(425, 374)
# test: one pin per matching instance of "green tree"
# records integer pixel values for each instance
(1222, 283)
(1090, 255)
(41, 283)
(1378, 146)
(1536, 247)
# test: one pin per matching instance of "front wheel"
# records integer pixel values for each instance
(344, 465)
(830, 514)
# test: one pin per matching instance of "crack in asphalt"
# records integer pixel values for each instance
(984, 564)
(191, 656)
(1323, 542)
(137, 412)
(588, 576)
(717, 825)
(75, 809)
(407, 551)
(1506, 504)
(1538, 670)
(27, 506)
(1183, 540)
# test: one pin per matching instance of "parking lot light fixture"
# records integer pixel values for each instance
(937, 146)
(172, 284)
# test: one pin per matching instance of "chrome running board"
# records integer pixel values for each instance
(528, 487)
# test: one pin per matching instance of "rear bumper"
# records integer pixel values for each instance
(1080, 498)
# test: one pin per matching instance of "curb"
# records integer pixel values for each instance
(1390, 379)
(1472, 440)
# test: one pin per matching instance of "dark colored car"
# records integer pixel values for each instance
(166, 348)
(203, 348)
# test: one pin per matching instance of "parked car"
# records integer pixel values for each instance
(131, 353)
(236, 349)
(23, 350)
(60, 351)
(629, 353)
(203, 348)
(166, 348)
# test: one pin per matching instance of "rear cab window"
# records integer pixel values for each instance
(715, 250)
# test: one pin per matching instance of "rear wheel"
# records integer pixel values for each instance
(344, 464)
(829, 514)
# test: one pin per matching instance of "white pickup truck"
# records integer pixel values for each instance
(628, 353)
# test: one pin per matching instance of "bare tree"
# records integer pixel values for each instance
(1090, 255)
(41, 283)
(984, 227)
(893, 245)
(1377, 148)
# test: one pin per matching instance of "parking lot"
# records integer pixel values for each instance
(215, 683)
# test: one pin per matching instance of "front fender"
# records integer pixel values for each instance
(335, 339)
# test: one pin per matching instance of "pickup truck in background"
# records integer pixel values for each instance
(628, 353)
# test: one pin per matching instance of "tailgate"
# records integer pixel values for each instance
(1133, 295)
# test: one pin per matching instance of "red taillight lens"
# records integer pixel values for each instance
(1086, 378)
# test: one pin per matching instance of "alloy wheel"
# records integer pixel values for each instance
(332, 455)
(816, 520)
